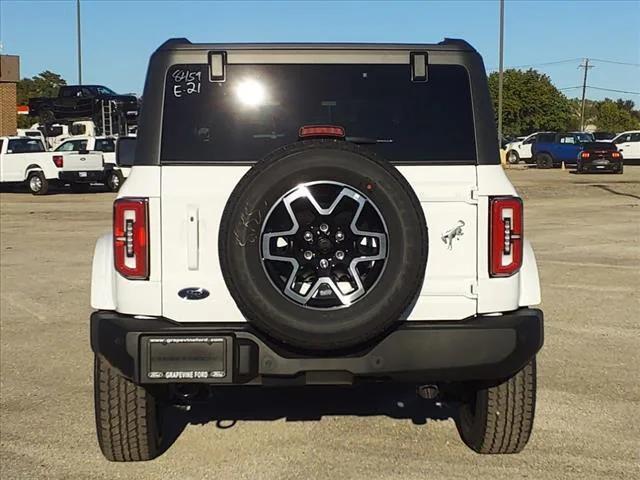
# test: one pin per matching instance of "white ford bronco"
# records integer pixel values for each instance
(304, 214)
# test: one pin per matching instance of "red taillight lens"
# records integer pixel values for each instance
(321, 131)
(505, 236)
(131, 237)
(615, 154)
(584, 155)
(58, 160)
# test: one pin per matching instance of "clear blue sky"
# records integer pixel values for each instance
(119, 36)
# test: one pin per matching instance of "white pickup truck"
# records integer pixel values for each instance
(25, 160)
(113, 174)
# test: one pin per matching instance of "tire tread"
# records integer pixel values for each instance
(125, 417)
(505, 424)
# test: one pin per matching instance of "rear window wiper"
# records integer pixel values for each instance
(368, 140)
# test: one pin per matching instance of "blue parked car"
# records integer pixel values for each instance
(551, 149)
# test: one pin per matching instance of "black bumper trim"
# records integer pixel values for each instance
(479, 348)
(96, 176)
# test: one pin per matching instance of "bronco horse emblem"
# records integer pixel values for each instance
(453, 233)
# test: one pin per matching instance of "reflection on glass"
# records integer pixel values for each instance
(251, 93)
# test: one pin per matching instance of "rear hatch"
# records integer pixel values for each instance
(215, 128)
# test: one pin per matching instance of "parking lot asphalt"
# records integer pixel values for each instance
(586, 234)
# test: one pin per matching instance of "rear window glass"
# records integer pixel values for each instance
(259, 108)
(546, 137)
(106, 145)
(25, 145)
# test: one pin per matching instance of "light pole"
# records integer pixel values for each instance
(500, 72)
(79, 42)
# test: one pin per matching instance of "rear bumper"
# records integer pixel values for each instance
(600, 166)
(480, 348)
(92, 176)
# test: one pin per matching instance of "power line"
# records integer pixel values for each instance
(570, 60)
(601, 88)
(558, 62)
(613, 90)
(615, 62)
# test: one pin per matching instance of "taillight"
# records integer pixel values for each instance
(615, 155)
(58, 160)
(131, 238)
(321, 131)
(584, 155)
(505, 236)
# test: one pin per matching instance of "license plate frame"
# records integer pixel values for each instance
(186, 359)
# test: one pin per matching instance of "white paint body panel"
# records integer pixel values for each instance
(529, 278)
(523, 147)
(184, 190)
(628, 143)
(445, 194)
(139, 297)
(74, 161)
(103, 275)
(186, 204)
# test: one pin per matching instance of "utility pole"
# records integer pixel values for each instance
(79, 42)
(586, 67)
(500, 72)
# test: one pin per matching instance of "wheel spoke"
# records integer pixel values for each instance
(315, 261)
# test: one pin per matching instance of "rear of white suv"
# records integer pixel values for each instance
(301, 215)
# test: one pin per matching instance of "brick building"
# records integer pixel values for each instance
(9, 76)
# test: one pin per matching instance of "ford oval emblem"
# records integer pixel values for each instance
(193, 293)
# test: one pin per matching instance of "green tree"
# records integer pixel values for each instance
(530, 102)
(615, 116)
(630, 107)
(45, 84)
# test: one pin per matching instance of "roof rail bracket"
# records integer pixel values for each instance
(217, 66)
(419, 66)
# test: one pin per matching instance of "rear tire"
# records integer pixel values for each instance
(37, 183)
(499, 419)
(544, 161)
(512, 157)
(127, 417)
(114, 180)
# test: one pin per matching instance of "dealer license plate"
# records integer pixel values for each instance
(186, 358)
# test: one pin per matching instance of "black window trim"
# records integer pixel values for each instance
(454, 52)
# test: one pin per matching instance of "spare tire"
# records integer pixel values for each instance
(323, 245)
